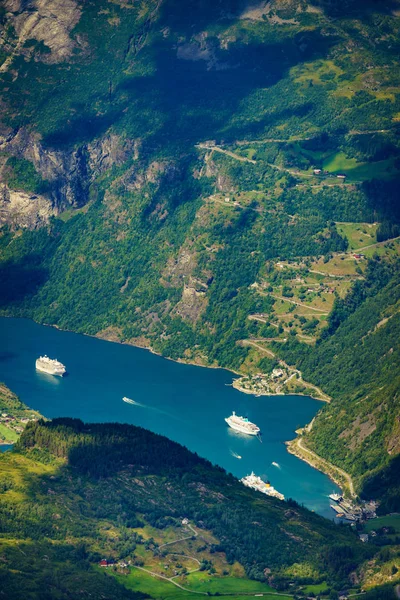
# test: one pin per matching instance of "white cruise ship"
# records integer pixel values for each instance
(50, 366)
(242, 424)
(256, 483)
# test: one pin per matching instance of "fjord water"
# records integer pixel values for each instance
(188, 404)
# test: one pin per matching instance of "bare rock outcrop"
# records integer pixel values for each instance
(193, 302)
(23, 209)
(69, 174)
(47, 21)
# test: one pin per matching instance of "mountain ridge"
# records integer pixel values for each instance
(216, 193)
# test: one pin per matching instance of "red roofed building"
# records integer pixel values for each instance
(103, 563)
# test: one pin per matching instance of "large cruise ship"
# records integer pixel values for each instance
(256, 483)
(50, 365)
(242, 424)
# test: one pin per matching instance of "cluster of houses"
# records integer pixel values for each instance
(122, 564)
(262, 384)
(321, 172)
(11, 422)
(15, 423)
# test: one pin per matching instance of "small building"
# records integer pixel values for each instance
(185, 521)
(363, 537)
(317, 171)
(103, 563)
(357, 256)
(341, 176)
(343, 595)
(227, 199)
(276, 373)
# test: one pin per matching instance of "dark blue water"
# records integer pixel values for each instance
(187, 404)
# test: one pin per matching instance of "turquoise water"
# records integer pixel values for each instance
(5, 447)
(187, 404)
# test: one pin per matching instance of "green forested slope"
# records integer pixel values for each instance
(216, 116)
(14, 415)
(358, 363)
(77, 493)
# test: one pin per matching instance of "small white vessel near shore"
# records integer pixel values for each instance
(336, 497)
(256, 483)
(242, 424)
(50, 366)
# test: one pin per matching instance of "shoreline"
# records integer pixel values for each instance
(271, 394)
(342, 479)
(178, 360)
(288, 444)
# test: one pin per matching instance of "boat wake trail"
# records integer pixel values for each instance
(133, 402)
(152, 408)
(235, 455)
(277, 465)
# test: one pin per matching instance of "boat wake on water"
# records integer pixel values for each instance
(153, 408)
(275, 464)
(130, 401)
(235, 455)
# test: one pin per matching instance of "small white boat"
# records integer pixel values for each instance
(235, 455)
(336, 497)
(128, 400)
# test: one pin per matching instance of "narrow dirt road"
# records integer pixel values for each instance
(329, 466)
(318, 310)
(227, 152)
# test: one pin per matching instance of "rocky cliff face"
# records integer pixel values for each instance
(68, 172)
(20, 209)
(46, 21)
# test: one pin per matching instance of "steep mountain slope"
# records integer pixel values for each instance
(359, 364)
(77, 493)
(14, 416)
(206, 180)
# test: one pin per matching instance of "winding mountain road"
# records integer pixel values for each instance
(328, 466)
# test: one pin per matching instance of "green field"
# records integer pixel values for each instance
(316, 589)
(7, 434)
(139, 581)
(204, 582)
(388, 248)
(358, 234)
(387, 521)
(355, 171)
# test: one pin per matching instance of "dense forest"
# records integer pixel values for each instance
(357, 361)
(218, 181)
(66, 480)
